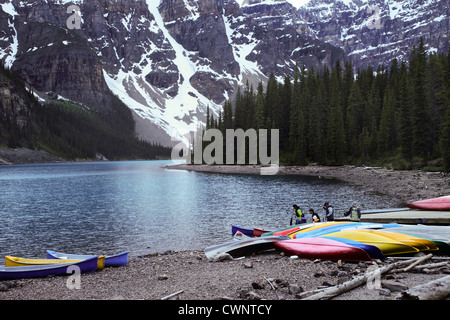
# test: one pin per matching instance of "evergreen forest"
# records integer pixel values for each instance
(70, 130)
(398, 117)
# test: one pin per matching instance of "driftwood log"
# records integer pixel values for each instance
(434, 290)
(172, 295)
(418, 261)
(423, 268)
(331, 292)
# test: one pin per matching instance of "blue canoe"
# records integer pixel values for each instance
(244, 230)
(117, 260)
(373, 251)
(40, 271)
(345, 226)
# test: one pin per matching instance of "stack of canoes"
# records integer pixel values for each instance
(58, 263)
(351, 241)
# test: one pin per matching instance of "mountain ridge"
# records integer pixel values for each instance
(170, 61)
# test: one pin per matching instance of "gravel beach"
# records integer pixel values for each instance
(268, 275)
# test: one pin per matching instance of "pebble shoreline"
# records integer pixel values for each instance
(269, 276)
(408, 185)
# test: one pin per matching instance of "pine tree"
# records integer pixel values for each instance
(208, 125)
(335, 123)
(420, 113)
(386, 133)
(249, 107)
(372, 117)
(437, 96)
(318, 121)
(297, 122)
(354, 119)
(445, 135)
(260, 121)
(445, 139)
(285, 106)
(272, 103)
(239, 118)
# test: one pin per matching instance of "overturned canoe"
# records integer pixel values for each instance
(258, 232)
(373, 251)
(322, 248)
(45, 270)
(321, 229)
(22, 262)
(440, 203)
(440, 235)
(387, 245)
(420, 243)
(243, 247)
(245, 230)
(340, 227)
(117, 260)
(299, 227)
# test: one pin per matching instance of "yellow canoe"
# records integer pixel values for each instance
(316, 226)
(387, 245)
(21, 262)
(420, 243)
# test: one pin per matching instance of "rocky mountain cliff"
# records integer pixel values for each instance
(168, 60)
(373, 32)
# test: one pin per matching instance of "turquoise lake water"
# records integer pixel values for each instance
(139, 206)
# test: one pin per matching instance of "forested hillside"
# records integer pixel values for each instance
(397, 116)
(66, 129)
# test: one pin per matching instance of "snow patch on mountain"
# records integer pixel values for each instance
(9, 53)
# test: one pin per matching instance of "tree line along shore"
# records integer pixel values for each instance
(397, 116)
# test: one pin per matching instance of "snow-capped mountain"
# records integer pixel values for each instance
(168, 60)
(373, 32)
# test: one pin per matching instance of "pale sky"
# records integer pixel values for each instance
(295, 3)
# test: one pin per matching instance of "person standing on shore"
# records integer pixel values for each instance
(329, 212)
(314, 216)
(300, 217)
(354, 212)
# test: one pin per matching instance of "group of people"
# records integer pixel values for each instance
(300, 217)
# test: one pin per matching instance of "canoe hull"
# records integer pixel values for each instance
(438, 204)
(341, 227)
(244, 247)
(244, 230)
(258, 232)
(321, 248)
(23, 262)
(373, 251)
(306, 227)
(39, 271)
(387, 245)
(117, 260)
(420, 243)
(440, 235)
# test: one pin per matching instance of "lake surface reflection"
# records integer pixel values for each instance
(108, 207)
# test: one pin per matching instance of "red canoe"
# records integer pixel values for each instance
(257, 232)
(322, 248)
(441, 203)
